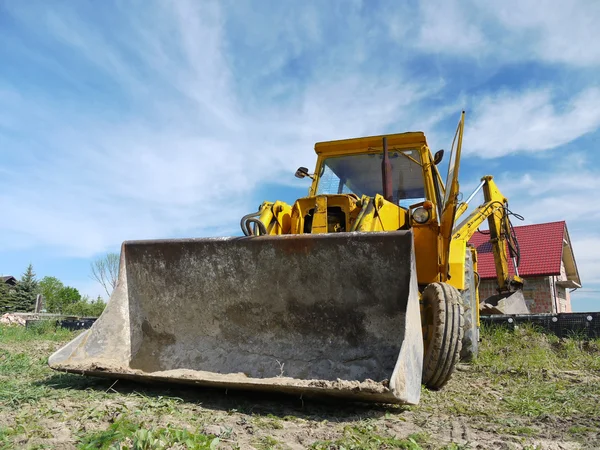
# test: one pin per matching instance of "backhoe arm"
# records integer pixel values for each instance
(495, 211)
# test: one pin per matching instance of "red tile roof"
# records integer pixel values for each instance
(541, 250)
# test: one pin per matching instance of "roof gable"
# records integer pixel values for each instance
(541, 248)
(8, 280)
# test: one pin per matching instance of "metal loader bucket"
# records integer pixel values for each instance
(335, 314)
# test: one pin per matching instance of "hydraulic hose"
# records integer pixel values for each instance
(262, 230)
(361, 214)
(244, 224)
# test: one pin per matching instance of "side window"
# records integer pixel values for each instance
(409, 181)
(407, 202)
(330, 183)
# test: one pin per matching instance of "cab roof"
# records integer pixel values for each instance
(413, 139)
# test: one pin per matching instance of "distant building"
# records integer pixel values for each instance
(547, 265)
(11, 281)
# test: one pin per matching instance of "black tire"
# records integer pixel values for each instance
(442, 333)
(470, 343)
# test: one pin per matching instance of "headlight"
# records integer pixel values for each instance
(421, 215)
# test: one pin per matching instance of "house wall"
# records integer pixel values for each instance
(563, 294)
(538, 292)
(564, 299)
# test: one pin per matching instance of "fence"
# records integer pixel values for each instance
(31, 320)
(563, 324)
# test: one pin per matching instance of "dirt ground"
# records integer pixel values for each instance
(482, 407)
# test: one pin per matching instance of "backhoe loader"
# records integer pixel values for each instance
(365, 289)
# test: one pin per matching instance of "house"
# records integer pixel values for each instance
(547, 266)
(9, 280)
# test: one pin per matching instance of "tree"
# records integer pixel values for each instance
(105, 270)
(96, 307)
(86, 308)
(7, 298)
(50, 288)
(66, 297)
(26, 292)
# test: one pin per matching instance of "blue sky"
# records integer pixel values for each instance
(152, 119)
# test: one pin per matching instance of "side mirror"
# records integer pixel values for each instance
(437, 158)
(302, 172)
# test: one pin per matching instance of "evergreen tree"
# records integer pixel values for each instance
(6, 298)
(25, 292)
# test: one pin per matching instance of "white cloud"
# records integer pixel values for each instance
(178, 154)
(558, 32)
(511, 30)
(447, 29)
(587, 250)
(509, 122)
(555, 194)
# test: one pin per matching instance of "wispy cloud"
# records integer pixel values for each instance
(586, 249)
(176, 153)
(447, 29)
(557, 32)
(510, 31)
(509, 122)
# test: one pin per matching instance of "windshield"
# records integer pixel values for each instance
(361, 175)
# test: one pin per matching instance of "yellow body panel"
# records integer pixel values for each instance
(413, 139)
(319, 222)
(426, 251)
(283, 216)
(381, 215)
(456, 261)
(474, 255)
(276, 217)
(308, 207)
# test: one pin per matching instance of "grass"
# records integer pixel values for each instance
(269, 421)
(369, 437)
(43, 331)
(267, 443)
(541, 374)
(132, 435)
(523, 387)
(529, 351)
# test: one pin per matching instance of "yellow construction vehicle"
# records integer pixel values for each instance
(364, 289)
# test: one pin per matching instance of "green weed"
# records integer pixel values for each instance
(43, 331)
(368, 438)
(526, 350)
(269, 421)
(453, 446)
(538, 374)
(579, 429)
(5, 437)
(124, 433)
(267, 443)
